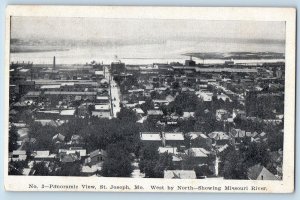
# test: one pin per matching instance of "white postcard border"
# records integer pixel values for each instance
(35, 183)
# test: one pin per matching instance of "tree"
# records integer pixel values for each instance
(127, 115)
(185, 102)
(16, 167)
(117, 163)
(203, 171)
(69, 169)
(148, 160)
(40, 169)
(164, 163)
(256, 153)
(13, 138)
(234, 167)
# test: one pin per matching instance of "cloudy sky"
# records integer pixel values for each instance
(81, 28)
(151, 37)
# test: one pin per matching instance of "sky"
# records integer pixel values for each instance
(146, 29)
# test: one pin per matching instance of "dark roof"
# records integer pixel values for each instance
(97, 152)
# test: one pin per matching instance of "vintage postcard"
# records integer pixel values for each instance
(150, 99)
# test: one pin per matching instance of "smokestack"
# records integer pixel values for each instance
(54, 62)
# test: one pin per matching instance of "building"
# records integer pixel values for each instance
(205, 95)
(102, 107)
(102, 99)
(219, 138)
(198, 139)
(171, 150)
(47, 114)
(58, 138)
(151, 138)
(199, 155)
(43, 155)
(259, 172)
(190, 62)
(67, 114)
(96, 157)
(238, 113)
(18, 155)
(175, 139)
(154, 115)
(221, 115)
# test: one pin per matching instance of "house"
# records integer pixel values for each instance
(101, 114)
(160, 102)
(102, 99)
(219, 138)
(238, 134)
(204, 95)
(67, 114)
(259, 172)
(238, 113)
(47, 114)
(187, 115)
(151, 138)
(155, 112)
(199, 155)
(102, 107)
(96, 156)
(58, 138)
(68, 158)
(171, 150)
(43, 155)
(179, 174)
(138, 111)
(71, 155)
(221, 115)
(76, 139)
(173, 139)
(18, 155)
(47, 122)
(33, 95)
(224, 97)
(198, 139)
(170, 98)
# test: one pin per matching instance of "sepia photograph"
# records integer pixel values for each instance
(148, 99)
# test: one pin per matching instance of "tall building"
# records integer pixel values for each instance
(190, 62)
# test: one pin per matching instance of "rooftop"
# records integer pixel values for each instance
(102, 107)
(219, 135)
(174, 136)
(50, 86)
(152, 136)
(155, 112)
(198, 152)
(67, 112)
(173, 150)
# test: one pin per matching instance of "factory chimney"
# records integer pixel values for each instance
(54, 62)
